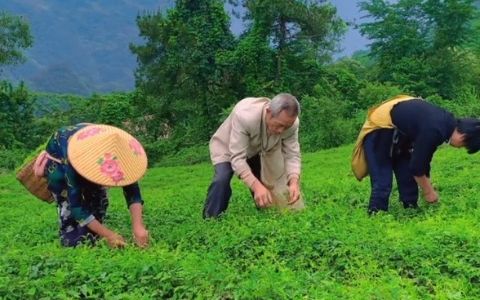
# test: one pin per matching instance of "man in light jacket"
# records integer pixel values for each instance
(255, 129)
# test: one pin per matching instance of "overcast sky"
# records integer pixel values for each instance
(348, 10)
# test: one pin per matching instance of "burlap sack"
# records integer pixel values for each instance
(34, 184)
(281, 197)
(274, 178)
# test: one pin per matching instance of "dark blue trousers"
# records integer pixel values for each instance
(219, 191)
(383, 160)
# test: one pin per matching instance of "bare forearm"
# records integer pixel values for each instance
(139, 232)
(424, 183)
(136, 211)
(99, 229)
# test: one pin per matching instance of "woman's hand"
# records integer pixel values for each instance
(140, 235)
(114, 240)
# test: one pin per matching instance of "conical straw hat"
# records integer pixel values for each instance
(107, 155)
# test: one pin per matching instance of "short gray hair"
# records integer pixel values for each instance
(287, 102)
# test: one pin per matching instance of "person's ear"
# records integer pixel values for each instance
(268, 112)
(460, 139)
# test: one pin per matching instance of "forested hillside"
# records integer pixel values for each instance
(80, 46)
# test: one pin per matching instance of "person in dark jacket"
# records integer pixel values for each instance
(406, 149)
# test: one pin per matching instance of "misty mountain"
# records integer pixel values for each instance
(80, 46)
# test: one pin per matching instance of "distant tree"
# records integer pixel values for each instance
(418, 43)
(16, 104)
(347, 76)
(14, 38)
(179, 75)
(114, 109)
(286, 43)
(16, 116)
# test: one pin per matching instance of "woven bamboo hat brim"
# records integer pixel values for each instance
(107, 155)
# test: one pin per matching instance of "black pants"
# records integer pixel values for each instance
(219, 192)
(382, 159)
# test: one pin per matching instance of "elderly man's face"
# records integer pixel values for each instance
(279, 123)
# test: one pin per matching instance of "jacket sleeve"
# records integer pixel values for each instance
(81, 214)
(424, 146)
(291, 152)
(132, 194)
(239, 141)
(74, 194)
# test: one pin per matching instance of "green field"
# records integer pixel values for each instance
(333, 250)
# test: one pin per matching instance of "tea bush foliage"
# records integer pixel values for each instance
(332, 250)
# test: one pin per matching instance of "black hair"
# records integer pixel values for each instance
(471, 129)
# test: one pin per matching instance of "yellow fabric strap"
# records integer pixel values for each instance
(377, 117)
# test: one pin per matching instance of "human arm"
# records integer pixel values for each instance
(294, 190)
(429, 192)
(114, 240)
(135, 206)
(292, 157)
(82, 215)
(238, 145)
(140, 233)
(424, 147)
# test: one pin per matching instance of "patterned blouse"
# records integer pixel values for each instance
(64, 180)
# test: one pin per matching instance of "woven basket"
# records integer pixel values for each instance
(34, 184)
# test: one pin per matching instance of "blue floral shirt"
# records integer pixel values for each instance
(64, 180)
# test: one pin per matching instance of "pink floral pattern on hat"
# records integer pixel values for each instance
(88, 133)
(136, 147)
(109, 167)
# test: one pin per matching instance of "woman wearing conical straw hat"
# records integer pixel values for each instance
(84, 160)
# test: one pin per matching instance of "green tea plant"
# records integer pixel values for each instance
(331, 250)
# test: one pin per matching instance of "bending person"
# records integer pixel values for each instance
(83, 160)
(400, 136)
(258, 137)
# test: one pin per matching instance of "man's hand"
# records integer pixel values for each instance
(294, 190)
(263, 197)
(140, 235)
(431, 196)
(114, 240)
